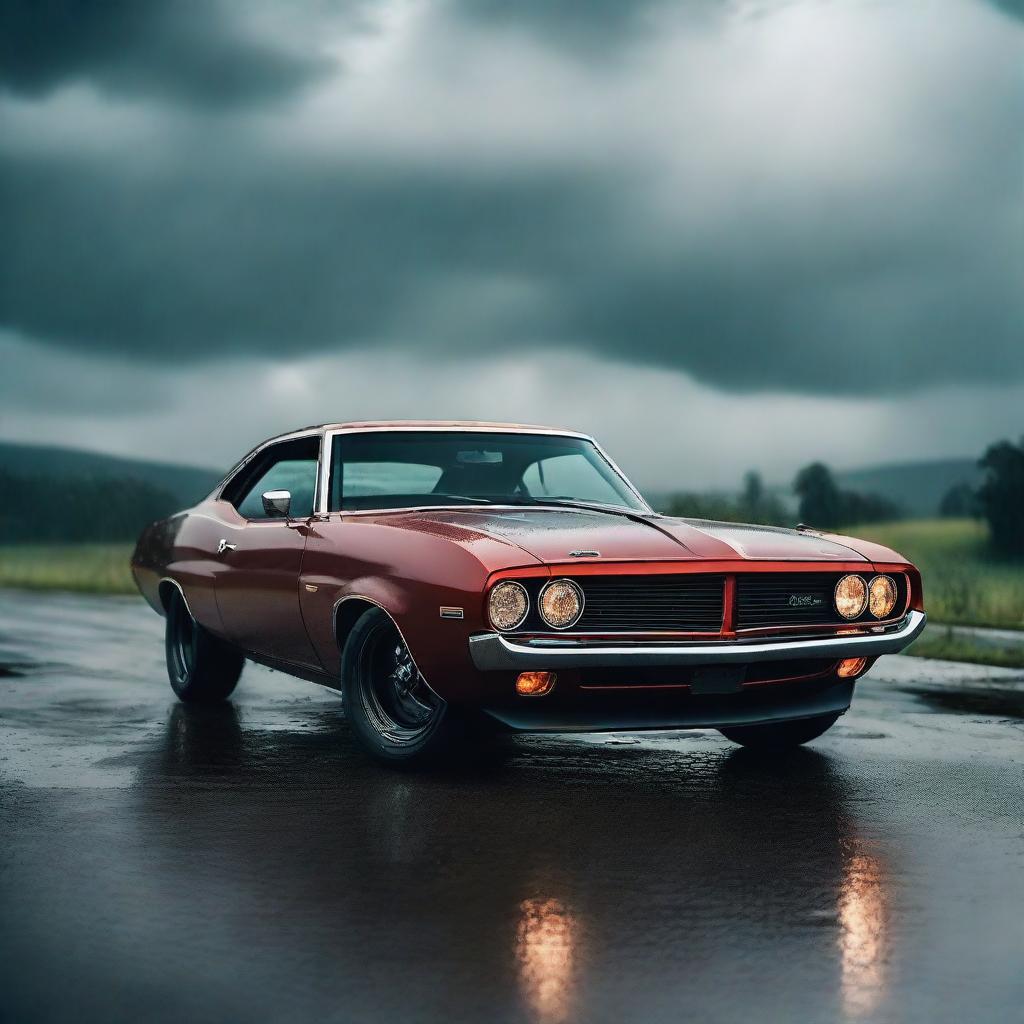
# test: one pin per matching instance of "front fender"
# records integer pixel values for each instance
(412, 578)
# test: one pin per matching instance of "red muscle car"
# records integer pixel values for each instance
(447, 576)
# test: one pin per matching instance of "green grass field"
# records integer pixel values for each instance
(963, 584)
(939, 642)
(87, 568)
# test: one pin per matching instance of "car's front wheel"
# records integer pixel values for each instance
(395, 716)
(203, 669)
(779, 736)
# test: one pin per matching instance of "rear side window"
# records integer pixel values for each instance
(288, 466)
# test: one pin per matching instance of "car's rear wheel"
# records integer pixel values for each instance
(779, 736)
(394, 715)
(202, 668)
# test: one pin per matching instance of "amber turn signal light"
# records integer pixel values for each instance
(534, 684)
(850, 667)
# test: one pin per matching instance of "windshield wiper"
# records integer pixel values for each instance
(587, 506)
(472, 499)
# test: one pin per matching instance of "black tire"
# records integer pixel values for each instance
(202, 668)
(394, 715)
(780, 736)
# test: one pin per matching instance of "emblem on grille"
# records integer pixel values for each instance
(805, 600)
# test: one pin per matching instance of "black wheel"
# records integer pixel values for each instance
(395, 716)
(203, 669)
(780, 735)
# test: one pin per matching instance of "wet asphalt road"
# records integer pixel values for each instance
(165, 863)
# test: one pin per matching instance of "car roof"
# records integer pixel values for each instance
(440, 425)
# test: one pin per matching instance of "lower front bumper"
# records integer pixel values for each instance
(593, 711)
(492, 652)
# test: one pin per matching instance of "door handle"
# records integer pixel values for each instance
(225, 546)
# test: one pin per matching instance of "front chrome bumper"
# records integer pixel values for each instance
(492, 652)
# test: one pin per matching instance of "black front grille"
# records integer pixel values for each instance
(798, 599)
(688, 604)
(695, 602)
(648, 603)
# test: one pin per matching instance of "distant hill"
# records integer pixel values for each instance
(917, 487)
(64, 494)
(187, 483)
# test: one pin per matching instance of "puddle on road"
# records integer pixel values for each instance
(995, 703)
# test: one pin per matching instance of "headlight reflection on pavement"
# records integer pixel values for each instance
(546, 953)
(863, 937)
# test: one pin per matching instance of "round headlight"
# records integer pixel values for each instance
(508, 604)
(882, 596)
(851, 596)
(561, 604)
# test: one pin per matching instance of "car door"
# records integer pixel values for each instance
(260, 552)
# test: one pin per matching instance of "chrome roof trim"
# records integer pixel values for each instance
(453, 425)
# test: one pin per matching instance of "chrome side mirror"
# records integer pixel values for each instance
(277, 503)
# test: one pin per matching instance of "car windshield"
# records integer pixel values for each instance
(398, 469)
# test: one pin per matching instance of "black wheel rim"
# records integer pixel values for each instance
(183, 644)
(397, 701)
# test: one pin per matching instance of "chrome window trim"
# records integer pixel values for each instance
(625, 479)
(297, 435)
(327, 451)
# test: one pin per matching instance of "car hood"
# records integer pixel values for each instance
(557, 535)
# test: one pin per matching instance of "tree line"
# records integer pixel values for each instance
(999, 500)
(822, 503)
(77, 509)
(40, 509)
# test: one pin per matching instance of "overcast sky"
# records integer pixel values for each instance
(718, 234)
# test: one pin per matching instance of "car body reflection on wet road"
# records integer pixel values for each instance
(167, 862)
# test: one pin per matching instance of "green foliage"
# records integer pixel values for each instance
(823, 504)
(963, 583)
(820, 500)
(1001, 497)
(939, 643)
(89, 568)
(959, 501)
(754, 505)
(693, 505)
(37, 509)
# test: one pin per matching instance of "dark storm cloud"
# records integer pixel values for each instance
(596, 29)
(189, 50)
(851, 235)
(1013, 7)
(271, 262)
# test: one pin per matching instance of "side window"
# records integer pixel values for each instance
(568, 476)
(290, 466)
